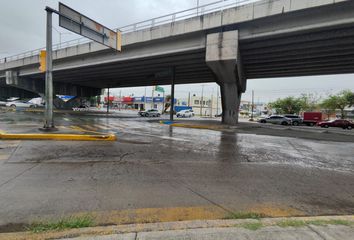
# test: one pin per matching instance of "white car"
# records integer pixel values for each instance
(185, 113)
(19, 103)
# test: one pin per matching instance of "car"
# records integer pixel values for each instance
(276, 119)
(20, 103)
(150, 113)
(185, 113)
(345, 124)
(295, 120)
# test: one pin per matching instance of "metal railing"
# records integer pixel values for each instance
(170, 18)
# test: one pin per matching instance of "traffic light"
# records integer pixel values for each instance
(42, 60)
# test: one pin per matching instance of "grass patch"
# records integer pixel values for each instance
(245, 215)
(251, 226)
(65, 223)
(291, 223)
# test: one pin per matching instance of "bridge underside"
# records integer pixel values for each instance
(321, 52)
(190, 67)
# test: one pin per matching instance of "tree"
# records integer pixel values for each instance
(288, 105)
(349, 96)
(329, 106)
(340, 101)
(309, 102)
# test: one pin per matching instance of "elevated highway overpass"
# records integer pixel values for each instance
(254, 39)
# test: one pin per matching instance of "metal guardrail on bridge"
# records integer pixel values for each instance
(170, 18)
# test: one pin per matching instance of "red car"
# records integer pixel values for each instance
(345, 124)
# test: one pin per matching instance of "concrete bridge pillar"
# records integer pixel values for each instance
(224, 59)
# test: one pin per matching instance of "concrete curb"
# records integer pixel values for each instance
(164, 226)
(61, 137)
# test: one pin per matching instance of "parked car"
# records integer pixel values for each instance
(275, 119)
(20, 103)
(185, 113)
(295, 120)
(345, 124)
(150, 113)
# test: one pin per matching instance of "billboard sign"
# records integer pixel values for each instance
(82, 25)
(65, 98)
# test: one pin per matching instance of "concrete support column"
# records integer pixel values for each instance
(230, 101)
(224, 59)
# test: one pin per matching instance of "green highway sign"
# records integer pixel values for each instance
(159, 89)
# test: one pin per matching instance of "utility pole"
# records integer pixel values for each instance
(201, 101)
(211, 105)
(120, 100)
(197, 7)
(108, 101)
(152, 97)
(173, 72)
(252, 107)
(189, 99)
(217, 101)
(48, 122)
(145, 100)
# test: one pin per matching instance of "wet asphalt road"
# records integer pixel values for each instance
(158, 166)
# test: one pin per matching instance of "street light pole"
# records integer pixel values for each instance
(252, 107)
(48, 115)
(172, 105)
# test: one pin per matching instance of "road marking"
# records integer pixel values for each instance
(90, 127)
(100, 126)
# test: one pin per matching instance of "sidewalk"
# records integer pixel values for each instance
(304, 228)
(271, 233)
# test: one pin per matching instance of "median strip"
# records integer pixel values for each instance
(62, 137)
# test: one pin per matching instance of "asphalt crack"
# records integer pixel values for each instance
(18, 175)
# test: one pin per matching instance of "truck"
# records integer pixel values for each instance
(312, 118)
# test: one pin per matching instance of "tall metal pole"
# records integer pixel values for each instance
(217, 101)
(145, 100)
(108, 101)
(201, 101)
(172, 93)
(197, 7)
(252, 107)
(48, 115)
(189, 99)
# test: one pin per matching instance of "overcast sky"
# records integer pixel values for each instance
(22, 25)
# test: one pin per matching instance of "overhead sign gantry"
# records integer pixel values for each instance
(82, 25)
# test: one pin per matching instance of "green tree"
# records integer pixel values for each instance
(349, 96)
(340, 101)
(288, 105)
(309, 102)
(329, 106)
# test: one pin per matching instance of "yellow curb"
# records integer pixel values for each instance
(69, 137)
